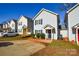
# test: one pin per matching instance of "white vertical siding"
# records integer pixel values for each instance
(73, 19)
(47, 18)
(64, 33)
(22, 20)
(11, 26)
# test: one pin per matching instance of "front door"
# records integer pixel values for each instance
(49, 33)
(78, 35)
(24, 31)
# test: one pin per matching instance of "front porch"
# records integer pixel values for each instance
(75, 30)
(49, 31)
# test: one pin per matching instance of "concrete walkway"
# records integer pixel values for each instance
(21, 48)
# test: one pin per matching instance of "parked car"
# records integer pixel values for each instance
(9, 34)
(1, 34)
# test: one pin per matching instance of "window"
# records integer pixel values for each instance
(12, 25)
(20, 30)
(38, 22)
(41, 21)
(73, 30)
(35, 22)
(20, 23)
(38, 31)
(41, 31)
(35, 31)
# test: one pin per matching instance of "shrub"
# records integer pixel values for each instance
(33, 35)
(42, 35)
(38, 35)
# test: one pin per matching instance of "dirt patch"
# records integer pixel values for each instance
(50, 51)
(21, 48)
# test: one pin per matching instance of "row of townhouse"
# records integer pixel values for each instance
(47, 22)
(23, 26)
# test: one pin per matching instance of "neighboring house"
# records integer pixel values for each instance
(1, 26)
(72, 23)
(25, 25)
(5, 26)
(46, 22)
(12, 25)
(63, 32)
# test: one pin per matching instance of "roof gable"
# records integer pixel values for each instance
(72, 8)
(24, 17)
(42, 11)
(77, 25)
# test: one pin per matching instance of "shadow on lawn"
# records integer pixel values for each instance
(2, 44)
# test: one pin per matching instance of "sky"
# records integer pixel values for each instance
(10, 11)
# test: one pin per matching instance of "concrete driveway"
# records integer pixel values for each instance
(20, 48)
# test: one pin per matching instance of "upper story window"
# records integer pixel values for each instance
(13, 25)
(20, 23)
(20, 30)
(38, 22)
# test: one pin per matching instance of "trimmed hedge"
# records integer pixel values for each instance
(33, 35)
(38, 35)
(42, 35)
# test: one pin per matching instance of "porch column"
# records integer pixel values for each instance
(51, 33)
(77, 35)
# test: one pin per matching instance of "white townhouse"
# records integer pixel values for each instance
(25, 25)
(72, 23)
(46, 22)
(1, 26)
(5, 26)
(63, 32)
(12, 25)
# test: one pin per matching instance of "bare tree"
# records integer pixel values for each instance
(66, 6)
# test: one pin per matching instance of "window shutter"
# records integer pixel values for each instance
(41, 21)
